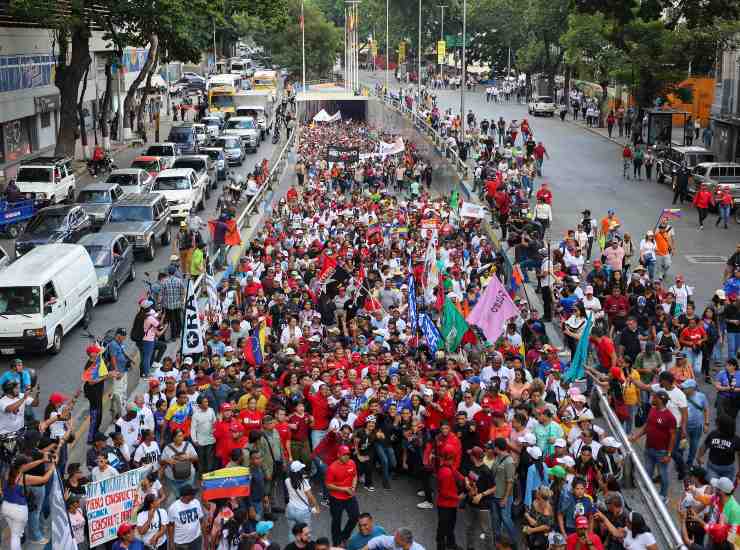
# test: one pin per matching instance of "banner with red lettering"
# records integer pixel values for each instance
(111, 502)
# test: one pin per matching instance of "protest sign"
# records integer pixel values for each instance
(111, 502)
(335, 153)
(472, 210)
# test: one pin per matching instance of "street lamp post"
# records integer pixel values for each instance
(418, 65)
(303, 46)
(387, 49)
(442, 35)
(464, 79)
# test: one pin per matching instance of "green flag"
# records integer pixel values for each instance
(454, 200)
(454, 326)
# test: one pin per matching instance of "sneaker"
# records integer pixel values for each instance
(370, 489)
(419, 493)
(41, 542)
(426, 505)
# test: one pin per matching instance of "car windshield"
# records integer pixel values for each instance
(122, 179)
(34, 174)
(544, 99)
(211, 122)
(130, 214)
(246, 124)
(196, 165)
(159, 151)
(228, 143)
(700, 171)
(213, 154)
(20, 300)
(248, 112)
(148, 165)
(99, 254)
(183, 135)
(222, 100)
(45, 223)
(100, 197)
(172, 184)
(705, 157)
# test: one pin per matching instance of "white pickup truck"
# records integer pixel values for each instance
(182, 191)
(541, 105)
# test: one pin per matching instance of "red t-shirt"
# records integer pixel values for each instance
(301, 431)
(252, 420)
(604, 351)
(545, 194)
(693, 335)
(658, 429)
(283, 431)
(320, 411)
(483, 422)
(447, 487)
(341, 475)
(574, 542)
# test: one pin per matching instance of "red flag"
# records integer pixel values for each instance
(440, 293)
(328, 267)
(300, 21)
(232, 236)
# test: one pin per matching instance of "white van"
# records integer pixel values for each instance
(43, 295)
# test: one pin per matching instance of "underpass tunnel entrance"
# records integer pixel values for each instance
(331, 106)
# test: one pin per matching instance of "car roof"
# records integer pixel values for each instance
(146, 157)
(242, 118)
(212, 148)
(128, 170)
(175, 172)
(691, 149)
(192, 157)
(59, 210)
(44, 160)
(101, 238)
(139, 199)
(100, 186)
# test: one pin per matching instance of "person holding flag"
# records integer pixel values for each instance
(94, 375)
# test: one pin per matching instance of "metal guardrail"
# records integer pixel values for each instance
(661, 517)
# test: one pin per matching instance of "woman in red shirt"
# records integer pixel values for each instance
(251, 417)
(300, 426)
(448, 499)
(723, 200)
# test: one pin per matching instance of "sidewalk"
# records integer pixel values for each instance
(601, 132)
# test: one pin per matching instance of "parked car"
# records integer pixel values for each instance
(184, 135)
(97, 200)
(205, 170)
(245, 128)
(201, 134)
(144, 220)
(541, 105)
(218, 158)
(668, 161)
(712, 174)
(43, 295)
(167, 153)
(152, 165)
(113, 258)
(213, 125)
(232, 148)
(47, 179)
(181, 189)
(131, 180)
(54, 224)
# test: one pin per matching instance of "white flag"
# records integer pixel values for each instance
(61, 529)
(192, 336)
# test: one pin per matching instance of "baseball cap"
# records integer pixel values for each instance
(566, 461)
(125, 529)
(57, 398)
(589, 289)
(477, 452)
(723, 484)
(93, 349)
(581, 522)
(153, 383)
(297, 466)
(343, 450)
(558, 472)
(263, 527)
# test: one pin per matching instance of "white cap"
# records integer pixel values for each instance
(585, 415)
(427, 392)
(579, 398)
(289, 351)
(560, 443)
(566, 461)
(187, 361)
(723, 484)
(534, 452)
(297, 466)
(527, 438)
(611, 442)
(228, 349)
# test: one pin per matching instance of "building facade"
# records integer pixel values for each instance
(725, 119)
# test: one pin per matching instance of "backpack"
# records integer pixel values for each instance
(181, 469)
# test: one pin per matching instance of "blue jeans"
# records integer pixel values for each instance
(733, 343)
(695, 433)
(146, 361)
(387, 459)
(724, 213)
(33, 528)
(178, 484)
(650, 266)
(694, 357)
(652, 459)
(715, 470)
(526, 265)
(539, 166)
(296, 515)
(501, 516)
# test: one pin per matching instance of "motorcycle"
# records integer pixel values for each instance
(106, 166)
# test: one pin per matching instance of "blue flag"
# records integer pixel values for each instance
(431, 333)
(413, 319)
(576, 370)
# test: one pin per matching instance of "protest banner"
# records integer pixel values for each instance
(110, 503)
(335, 153)
(472, 210)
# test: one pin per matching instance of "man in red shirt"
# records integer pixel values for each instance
(321, 413)
(616, 307)
(660, 430)
(583, 538)
(483, 421)
(341, 482)
(605, 351)
(448, 499)
(503, 205)
(544, 193)
(703, 200)
(539, 156)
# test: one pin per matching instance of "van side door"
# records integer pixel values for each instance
(58, 310)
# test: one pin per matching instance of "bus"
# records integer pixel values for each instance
(233, 80)
(221, 99)
(265, 81)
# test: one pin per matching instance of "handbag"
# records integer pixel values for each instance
(181, 468)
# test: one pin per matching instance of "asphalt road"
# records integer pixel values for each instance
(62, 372)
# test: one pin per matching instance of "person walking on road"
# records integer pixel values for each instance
(341, 482)
(626, 161)
(540, 153)
(448, 499)
(681, 185)
(703, 200)
(723, 200)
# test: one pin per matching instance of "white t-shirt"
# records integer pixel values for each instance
(186, 519)
(109, 472)
(469, 411)
(12, 422)
(170, 450)
(641, 542)
(505, 374)
(337, 423)
(298, 497)
(158, 520)
(148, 454)
(131, 430)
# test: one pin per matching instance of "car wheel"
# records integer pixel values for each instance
(132, 273)
(114, 292)
(56, 343)
(166, 237)
(150, 252)
(15, 229)
(87, 316)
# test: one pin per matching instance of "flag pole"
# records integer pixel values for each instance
(303, 46)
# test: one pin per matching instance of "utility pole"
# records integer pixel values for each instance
(418, 69)
(346, 50)
(387, 49)
(463, 80)
(442, 34)
(215, 61)
(303, 46)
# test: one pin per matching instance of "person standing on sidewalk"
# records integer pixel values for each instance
(610, 120)
(341, 482)
(660, 430)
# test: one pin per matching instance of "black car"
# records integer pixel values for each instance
(55, 224)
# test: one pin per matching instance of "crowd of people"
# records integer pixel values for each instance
(330, 366)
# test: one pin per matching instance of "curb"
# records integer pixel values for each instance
(595, 132)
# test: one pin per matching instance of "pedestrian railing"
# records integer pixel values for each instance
(659, 516)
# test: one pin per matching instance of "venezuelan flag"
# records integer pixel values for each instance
(262, 335)
(95, 372)
(226, 483)
(252, 351)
